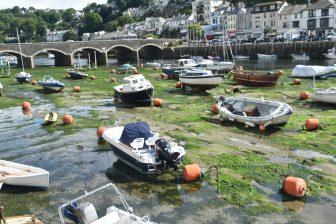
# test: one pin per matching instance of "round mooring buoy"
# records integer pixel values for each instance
(262, 127)
(296, 81)
(67, 119)
(113, 79)
(304, 95)
(178, 85)
(33, 82)
(26, 105)
(214, 109)
(113, 71)
(191, 172)
(312, 124)
(100, 131)
(294, 186)
(76, 89)
(92, 77)
(157, 102)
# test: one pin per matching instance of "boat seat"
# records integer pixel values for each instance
(138, 143)
(151, 140)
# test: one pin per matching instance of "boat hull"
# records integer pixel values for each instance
(267, 56)
(202, 82)
(300, 57)
(37, 177)
(218, 66)
(325, 98)
(254, 79)
(141, 98)
(330, 56)
(23, 79)
(50, 86)
(240, 57)
(77, 75)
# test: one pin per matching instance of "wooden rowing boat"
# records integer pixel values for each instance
(249, 78)
(12, 173)
(24, 219)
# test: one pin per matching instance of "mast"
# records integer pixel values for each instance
(17, 33)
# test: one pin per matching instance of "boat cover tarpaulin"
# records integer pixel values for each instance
(304, 71)
(135, 130)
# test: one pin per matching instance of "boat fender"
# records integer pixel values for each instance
(262, 127)
(268, 123)
(100, 131)
(249, 124)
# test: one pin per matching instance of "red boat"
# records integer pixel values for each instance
(252, 78)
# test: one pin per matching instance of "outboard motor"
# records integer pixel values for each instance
(164, 153)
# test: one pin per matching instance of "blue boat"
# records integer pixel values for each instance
(50, 83)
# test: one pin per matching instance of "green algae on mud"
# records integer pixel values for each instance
(195, 125)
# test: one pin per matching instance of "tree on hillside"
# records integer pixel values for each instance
(92, 22)
(70, 35)
(69, 15)
(195, 31)
(124, 20)
(112, 26)
(41, 30)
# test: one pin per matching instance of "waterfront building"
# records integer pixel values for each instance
(291, 23)
(320, 17)
(154, 25)
(180, 23)
(265, 17)
(202, 9)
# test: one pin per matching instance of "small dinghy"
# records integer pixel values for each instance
(331, 53)
(85, 212)
(76, 74)
(142, 149)
(200, 79)
(12, 173)
(267, 56)
(252, 112)
(241, 57)
(50, 118)
(303, 56)
(23, 77)
(325, 95)
(50, 83)
(135, 90)
(126, 68)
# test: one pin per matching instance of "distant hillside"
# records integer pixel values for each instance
(250, 3)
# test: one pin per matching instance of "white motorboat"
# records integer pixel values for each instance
(76, 74)
(325, 95)
(154, 64)
(201, 79)
(135, 90)
(12, 173)
(142, 149)
(303, 56)
(252, 112)
(23, 77)
(311, 71)
(50, 83)
(51, 56)
(221, 65)
(85, 212)
(267, 56)
(186, 63)
(241, 57)
(331, 53)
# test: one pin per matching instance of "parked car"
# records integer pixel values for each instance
(315, 38)
(279, 39)
(300, 38)
(331, 36)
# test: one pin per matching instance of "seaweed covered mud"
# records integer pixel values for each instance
(243, 167)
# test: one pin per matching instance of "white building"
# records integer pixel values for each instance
(320, 17)
(180, 23)
(265, 16)
(55, 36)
(102, 35)
(154, 25)
(202, 9)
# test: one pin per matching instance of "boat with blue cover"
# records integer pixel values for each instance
(144, 150)
(76, 74)
(50, 83)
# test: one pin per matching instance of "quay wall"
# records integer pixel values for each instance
(282, 50)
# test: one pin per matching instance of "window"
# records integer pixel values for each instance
(272, 7)
(325, 12)
(272, 23)
(312, 13)
(257, 9)
(265, 24)
(285, 25)
(264, 15)
(324, 23)
(296, 24)
(311, 23)
(295, 16)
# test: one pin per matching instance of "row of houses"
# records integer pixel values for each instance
(270, 19)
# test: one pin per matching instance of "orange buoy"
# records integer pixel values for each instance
(76, 89)
(296, 81)
(294, 186)
(312, 123)
(214, 109)
(157, 102)
(141, 65)
(100, 131)
(113, 71)
(135, 71)
(113, 79)
(304, 95)
(67, 119)
(262, 127)
(163, 76)
(279, 72)
(178, 85)
(33, 82)
(26, 105)
(92, 77)
(191, 172)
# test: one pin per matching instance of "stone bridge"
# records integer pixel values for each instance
(65, 52)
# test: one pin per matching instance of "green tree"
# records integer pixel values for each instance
(112, 26)
(16, 10)
(124, 20)
(93, 22)
(41, 30)
(195, 31)
(267, 30)
(69, 15)
(70, 35)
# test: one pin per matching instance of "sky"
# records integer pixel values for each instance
(51, 4)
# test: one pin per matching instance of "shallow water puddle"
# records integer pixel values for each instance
(307, 154)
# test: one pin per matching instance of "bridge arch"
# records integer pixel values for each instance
(15, 53)
(53, 50)
(150, 45)
(150, 51)
(123, 52)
